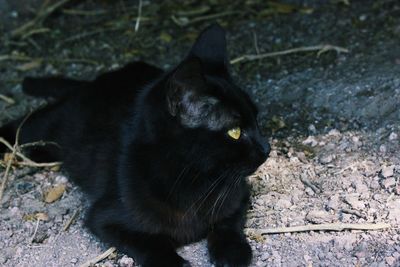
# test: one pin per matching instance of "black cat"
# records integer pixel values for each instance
(163, 155)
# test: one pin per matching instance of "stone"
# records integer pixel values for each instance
(390, 260)
(393, 136)
(326, 158)
(334, 202)
(309, 191)
(320, 216)
(334, 132)
(126, 261)
(387, 171)
(283, 203)
(375, 183)
(312, 129)
(389, 182)
(394, 210)
(311, 141)
(361, 188)
(354, 202)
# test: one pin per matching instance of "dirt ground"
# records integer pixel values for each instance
(332, 120)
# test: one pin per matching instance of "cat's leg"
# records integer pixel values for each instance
(149, 250)
(227, 244)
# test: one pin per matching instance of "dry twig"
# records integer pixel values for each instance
(45, 11)
(320, 48)
(25, 160)
(321, 227)
(11, 158)
(139, 16)
(83, 12)
(36, 229)
(99, 258)
(71, 220)
(7, 99)
(183, 21)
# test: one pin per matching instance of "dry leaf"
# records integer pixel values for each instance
(29, 217)
(55, 168)
(7, 157)
(165, 37)
(276, 123)
(42, 216)
(54, 193)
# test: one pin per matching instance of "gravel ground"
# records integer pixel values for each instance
(333, 122)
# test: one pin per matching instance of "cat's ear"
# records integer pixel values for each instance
(186, 96)
(210, 48)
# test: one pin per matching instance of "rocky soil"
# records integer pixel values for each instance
(332, 120)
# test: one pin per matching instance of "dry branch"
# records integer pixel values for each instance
(320, 48)
(99, 258)
(25, 160)
(321, 227)
(11, 158)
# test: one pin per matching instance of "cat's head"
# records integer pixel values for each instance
(209, 118)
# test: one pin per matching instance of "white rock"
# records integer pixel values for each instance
(334, 132)
(334, 202)
(310, 141)
(354, 202)
(312, 128)
(393, 136)
(126, 261)
(326, 158)
(387, 171)
(60, 179)
(320, 216)
(284, 203)
(390, 261)
(389, 182)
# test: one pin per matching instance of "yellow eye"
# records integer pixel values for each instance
(235, 133)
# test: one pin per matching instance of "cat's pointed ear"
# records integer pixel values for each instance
(210, 47)
(186, 94)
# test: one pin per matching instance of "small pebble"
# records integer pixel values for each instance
(387, 171)
(363, 17)
(311, 141)
(312, 129)
(393, 136)
(354, 202)
(320, 216)
(325, 159)
(390, 260)
(126, 261)
(334, 132)
(389, 182)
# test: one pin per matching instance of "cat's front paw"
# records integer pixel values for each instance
(230, 253)
(166, 260)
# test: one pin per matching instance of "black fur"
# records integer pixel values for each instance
(152, 151)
